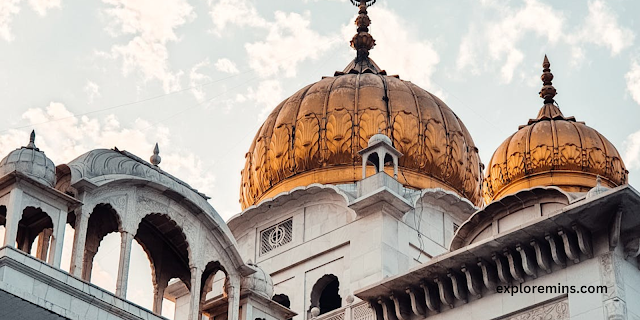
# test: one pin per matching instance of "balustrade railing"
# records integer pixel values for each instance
(357, 311)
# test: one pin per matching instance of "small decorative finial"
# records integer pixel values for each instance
(32, 141)
(548, 91)
(155, 158)
(362, 42)
(598, 181)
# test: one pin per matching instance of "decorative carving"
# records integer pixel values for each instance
(416, 296)
(430, 296)
(557, 310)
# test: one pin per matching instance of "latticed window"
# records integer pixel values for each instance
(276, 236)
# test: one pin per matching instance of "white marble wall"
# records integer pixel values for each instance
(329, 238)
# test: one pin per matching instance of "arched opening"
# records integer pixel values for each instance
(105, 263)
(213, 280)
(324, 294)
(167, 253)
(140, 284)
(212, 285)
(103, 225)
(35, 224)
(3, 222)
(374, 160)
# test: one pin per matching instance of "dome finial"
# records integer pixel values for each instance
(548, 91)
(32, 141)
(362, 42)
(155, 158)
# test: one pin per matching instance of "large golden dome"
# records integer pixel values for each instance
(553, 150)
(314, 136)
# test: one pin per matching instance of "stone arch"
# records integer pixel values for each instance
(324, 294)
(209, 276)
(34, 222)
(167, 249)
(104, 219)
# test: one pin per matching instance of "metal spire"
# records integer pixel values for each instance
(155, 158)
(548, 91)
(362, 42)
(32, 141)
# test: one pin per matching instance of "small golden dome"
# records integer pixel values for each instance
(553, 150)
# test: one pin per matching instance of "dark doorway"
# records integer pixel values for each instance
(324, 294)
(329, 298)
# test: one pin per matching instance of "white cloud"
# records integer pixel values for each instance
(153, 26)
(197, 79)
(234, 12)
(226, 65)
(64, 137)
(496, 42)
(631, 154)
(601, 28)
(289, 42)
(11, 8)
(92, 90)
(499, 38)
(415, 62)
(41, 6)
(267, 96)
(633, 81)
(8, 9)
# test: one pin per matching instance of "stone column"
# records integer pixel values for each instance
(158, 296)
(364, 165)
(123, 266)
(14, 214)
(194, 296)
(58, 239)
(79, 240)
(43, 244)
(381, 161)
(233, 297)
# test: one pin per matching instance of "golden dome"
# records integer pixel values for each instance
(553, 150)
(314, 137)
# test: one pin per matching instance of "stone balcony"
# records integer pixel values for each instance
(357, 311)
(32, 289)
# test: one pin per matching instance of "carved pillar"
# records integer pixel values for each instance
(55, 258)
(43, 244)
(381, 161)
(14, 214)
(614, 299)
(158, 295)
(194, 295)
(233, 297)
(79, 240)
(123, 267)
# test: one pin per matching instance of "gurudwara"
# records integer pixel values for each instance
(363, 198)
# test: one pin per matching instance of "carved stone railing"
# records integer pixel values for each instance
(358, 311)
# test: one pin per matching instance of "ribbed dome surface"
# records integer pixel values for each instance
(31, 162)
(553, 150)
(314, 137)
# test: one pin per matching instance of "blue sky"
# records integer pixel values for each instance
(199, 76)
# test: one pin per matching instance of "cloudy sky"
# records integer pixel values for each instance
(199, 76)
